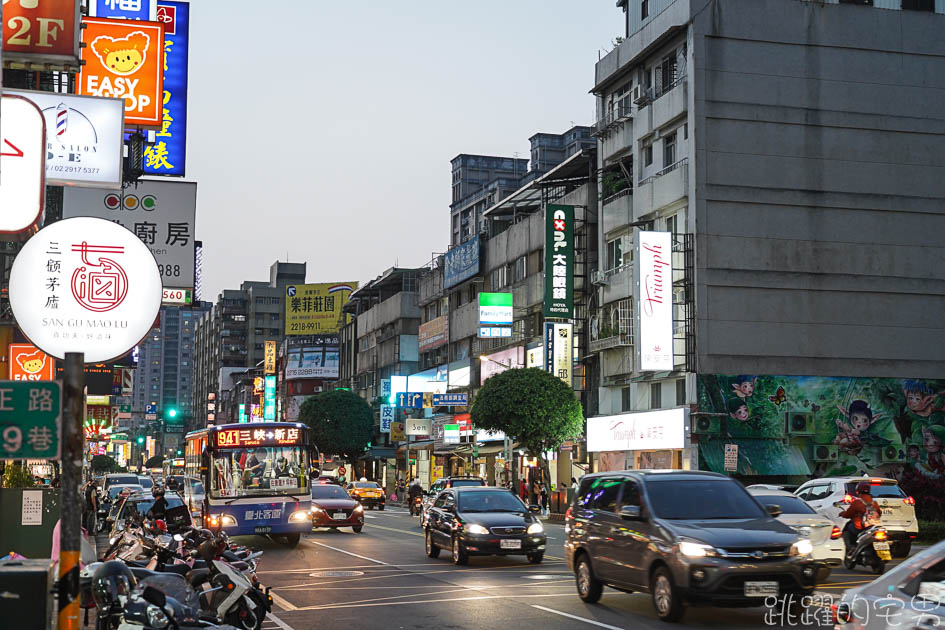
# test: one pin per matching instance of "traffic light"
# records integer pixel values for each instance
(180, 452)
(140, 439)
(172, 412)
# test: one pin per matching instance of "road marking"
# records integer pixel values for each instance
(348, 552)
(437, 601)
(389, 573)
(279, 622)
(576, 618)
(394, 529)
(282, 603)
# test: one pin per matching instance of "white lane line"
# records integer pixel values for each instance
(282, 603)
(437, 601)
(279, 622)
(576, 618)
(347, 552)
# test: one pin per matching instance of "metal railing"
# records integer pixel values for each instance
(669, 169)
(617, 195)
(610, 118)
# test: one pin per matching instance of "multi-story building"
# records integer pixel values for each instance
(231, 336)
(792, 150)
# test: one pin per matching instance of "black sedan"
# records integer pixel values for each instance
(483, 521)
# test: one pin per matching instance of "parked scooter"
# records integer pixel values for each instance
(871, 550)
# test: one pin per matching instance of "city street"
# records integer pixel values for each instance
(381, 578)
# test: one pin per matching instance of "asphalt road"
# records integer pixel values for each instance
(382, 579)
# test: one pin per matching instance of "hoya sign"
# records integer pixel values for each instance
(654, 283)
(559, 261)
(85, 285)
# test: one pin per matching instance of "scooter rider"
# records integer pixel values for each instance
(415, 490)
(862, 513)
(159, 507)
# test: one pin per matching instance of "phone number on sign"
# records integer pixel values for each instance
(74, 169)
(304, 326)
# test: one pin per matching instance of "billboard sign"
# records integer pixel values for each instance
(160, 213)
(315, 359)
(269, 398)
(270, 357)
(85, 285)
(43, 33)
(641, 431)
(168, 154)
(312, 309)
(125, 59)
(461, 262)
(124, 9)
(22, 160)
(29, 363)
(495, 308)
(498, 362)
(387, 416)
(559, 349)
(559, 261)
(654, 283)
(83, 138)
(433, 333)
(419, 426)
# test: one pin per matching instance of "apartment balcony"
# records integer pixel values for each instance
(617, 210)
(464, 321)
(661, 189)
(615, 132)
(659, 108)
(612, 326)
(399, 306)
(619, 284)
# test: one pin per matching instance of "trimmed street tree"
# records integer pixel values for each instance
(534, 408)
(342, 423)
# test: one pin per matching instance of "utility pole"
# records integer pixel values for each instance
(70, 531)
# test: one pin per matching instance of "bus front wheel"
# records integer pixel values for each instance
(293, 539)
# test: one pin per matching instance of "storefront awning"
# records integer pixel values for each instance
(494, 448)
(756, 457)
(379, 452)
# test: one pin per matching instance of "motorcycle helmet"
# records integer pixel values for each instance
(111, 580)
(863, 487)
(157, 491)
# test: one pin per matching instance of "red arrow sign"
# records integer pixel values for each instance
(17, 151)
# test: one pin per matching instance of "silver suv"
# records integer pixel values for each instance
(898, 517)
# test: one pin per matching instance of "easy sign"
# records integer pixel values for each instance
(23, 164)
(85, 285)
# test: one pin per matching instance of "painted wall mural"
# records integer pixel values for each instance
(805, 426)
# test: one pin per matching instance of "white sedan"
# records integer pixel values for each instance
(826, 537)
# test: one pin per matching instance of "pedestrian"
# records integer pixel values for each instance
(574, 484)
(91, 506)
(523, 491)
(543, 493)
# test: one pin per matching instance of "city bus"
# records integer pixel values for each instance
(173, 466)
(256, 477)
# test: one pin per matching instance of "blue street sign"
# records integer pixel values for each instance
(410, 400)
(124, 9)
(450, 400)
(150, 409)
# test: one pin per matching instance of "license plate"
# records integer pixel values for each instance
(761, 589)
(884, 555)
(506, 543)
(339, 516)
(265, 529)
(881, 546)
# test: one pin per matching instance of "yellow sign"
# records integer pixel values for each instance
(397, 430)
(270, 364)
(315, 309)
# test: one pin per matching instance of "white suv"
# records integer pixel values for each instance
(898, 508)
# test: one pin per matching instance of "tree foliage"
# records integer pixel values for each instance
(341, 423)
(104, 464)
(155, 462)
(17, 476)
(533, 407)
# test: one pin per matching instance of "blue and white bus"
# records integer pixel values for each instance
(256, 477)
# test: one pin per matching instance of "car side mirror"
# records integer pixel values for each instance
(534, 509)
(774, 510)
(631, 512)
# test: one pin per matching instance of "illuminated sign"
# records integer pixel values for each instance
(559, 350)
(495, 308)
(242, 412)
(168, 154)
(315, 359)
(312, 309)
(125, 59)
(647, 430)
(124, 9)
(269, 399)
(22, 161)
(654, 282)
(44, 32)
(265, 436)
(270, 358)
(85, 285)
(559, 261)
(29, 363)
(83, 138)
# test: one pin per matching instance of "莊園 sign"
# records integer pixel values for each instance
(312, 309)
(22, 162)
(85, 285)
(559, 261)
(30, 414)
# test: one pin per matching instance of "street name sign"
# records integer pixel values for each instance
(30, 416)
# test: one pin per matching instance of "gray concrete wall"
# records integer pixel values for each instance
(820, 189)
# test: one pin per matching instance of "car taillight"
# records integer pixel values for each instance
(567, 515)
(880, 535)
(847, 498)
(836, 533)
(909, 501)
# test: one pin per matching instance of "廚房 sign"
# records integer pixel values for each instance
(85, 285)
(22, 162)
(29, 419)
(461, 262)
(654, 283)
(559, 261)
(641, 431)
(450, 400)
(83, 138)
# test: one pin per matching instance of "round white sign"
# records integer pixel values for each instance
(22, 160)
(85, 285)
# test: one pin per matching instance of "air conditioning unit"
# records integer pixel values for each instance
(891, 454)
(599, 278)
(638, 94)
(707, 425)
(799, 423)
(826, 452)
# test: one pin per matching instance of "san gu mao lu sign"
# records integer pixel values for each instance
(654, 271)
(85, 285)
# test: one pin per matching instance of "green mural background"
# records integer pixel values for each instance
(798, 427)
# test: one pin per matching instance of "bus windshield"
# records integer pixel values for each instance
(259, 471)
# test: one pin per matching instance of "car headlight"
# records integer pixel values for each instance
(359, 508)
(695, 550)
(477, 529)
(535, 528)
(300, 516)
(802, 548)
(315, 508)
(228, 521)
(156, 617)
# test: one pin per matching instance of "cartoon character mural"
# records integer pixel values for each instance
(875, 426)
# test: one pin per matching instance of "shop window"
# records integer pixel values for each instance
(681, 392)
(656, 395)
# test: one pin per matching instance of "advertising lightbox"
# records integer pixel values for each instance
(317, 359)
(44, 33)
(22, 159)
(495, 308)
(654, 284)
(559, 261)
(312, 309)
(646, 430)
